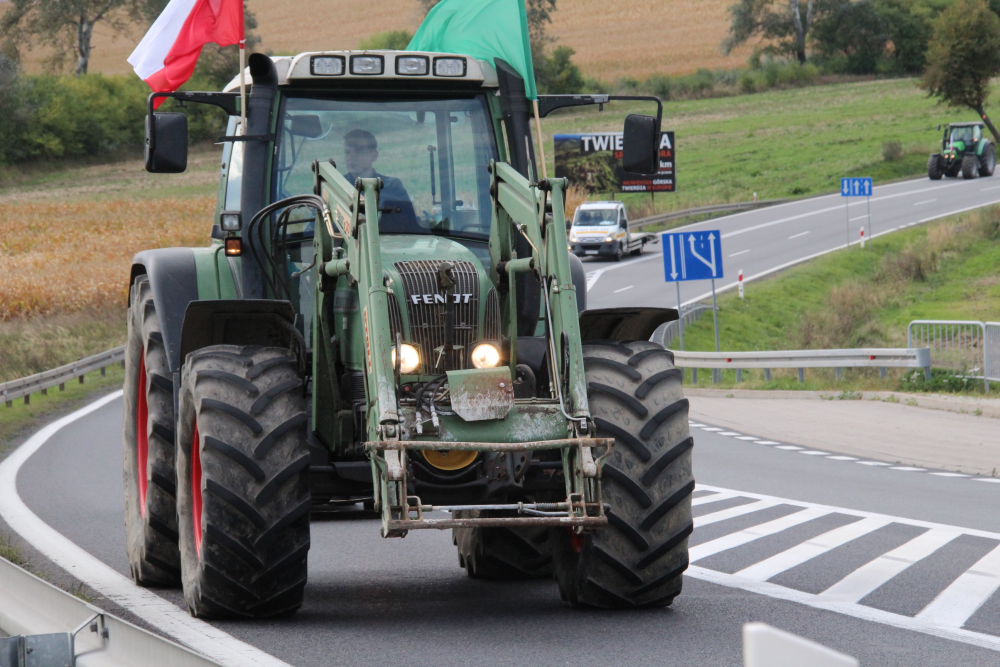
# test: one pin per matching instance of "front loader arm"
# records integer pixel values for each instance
(353, 226)
(523, 204)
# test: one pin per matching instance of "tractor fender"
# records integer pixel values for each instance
(579, 275)
(266, 322)
(623, 323)
(173, 279)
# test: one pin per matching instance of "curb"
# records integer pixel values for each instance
(987, 407)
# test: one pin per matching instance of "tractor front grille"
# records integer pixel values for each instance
(425, 307)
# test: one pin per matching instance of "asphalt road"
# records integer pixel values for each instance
(766, 240)
(406, 601)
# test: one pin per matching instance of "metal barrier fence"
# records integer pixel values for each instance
(880, 358)
(24, 387)
(660, 218)
(666, 333)
(963, 347)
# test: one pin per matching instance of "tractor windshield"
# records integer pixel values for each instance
(961, 134)
(432, 155)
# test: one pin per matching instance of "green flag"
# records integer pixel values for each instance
(483, 29)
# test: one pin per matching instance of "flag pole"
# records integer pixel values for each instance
(541, 146)
(243, 87)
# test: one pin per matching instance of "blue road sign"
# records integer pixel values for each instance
(692, 255)
(856, 187)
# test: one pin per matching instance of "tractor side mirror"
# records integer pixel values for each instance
(641, 148)
(939, 127)
(166, 143)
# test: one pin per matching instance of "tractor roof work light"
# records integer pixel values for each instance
(327, 66)
(449, 67)
(366, 65)
(231, 221)
(412, 65)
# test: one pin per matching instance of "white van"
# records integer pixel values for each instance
(600, 228)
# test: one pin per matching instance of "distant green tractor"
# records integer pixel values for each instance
(965, 151)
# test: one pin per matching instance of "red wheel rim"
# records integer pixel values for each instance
(196, 490)
(141, 435)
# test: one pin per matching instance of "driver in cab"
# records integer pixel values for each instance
(360, 153)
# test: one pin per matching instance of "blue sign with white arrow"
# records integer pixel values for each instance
(692, 255)
(856, 187)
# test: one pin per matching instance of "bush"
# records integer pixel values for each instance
(556, 74)
(892, 150)
(391, 40)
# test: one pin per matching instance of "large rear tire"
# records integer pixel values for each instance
(934, 169)
(150, 487)
(637, 560)
(970, 166)
(243, 482)
(988, 161)
(503, 553)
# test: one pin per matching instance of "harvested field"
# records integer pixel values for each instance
(612, 40)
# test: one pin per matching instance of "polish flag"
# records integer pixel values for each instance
(167, 55)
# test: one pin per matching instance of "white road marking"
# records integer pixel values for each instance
(952, 607)
(957, 603)
(860, 217)
(949, 474)
(842, 458)
(714, 498)
(921, 203)
(817, 546)
(797, 236)
(747, 437)
(767, 442)
(950, 213)
(711, 428)
(739, 538)
(147, 605)
(873, 463)
(741, 252)
(987, 479)
(733, 512)
(623, 289)
(870, 576)
(815, 453)
(908, 469)
(730, 433)
(992, 187)
(791, 448)
(691, 423)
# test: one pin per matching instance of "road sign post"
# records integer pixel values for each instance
(855, 187)
(693, 256)
(680, 316)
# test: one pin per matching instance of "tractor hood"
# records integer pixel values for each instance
(419, 308)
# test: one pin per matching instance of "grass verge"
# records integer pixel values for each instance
(864, 298)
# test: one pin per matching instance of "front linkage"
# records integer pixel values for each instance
(348, 246)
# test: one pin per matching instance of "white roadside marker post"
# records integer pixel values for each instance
(862, 237)
(741, 283)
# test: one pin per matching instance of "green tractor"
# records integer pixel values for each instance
(965, 151)
(387, 315)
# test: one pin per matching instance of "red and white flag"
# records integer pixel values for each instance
(167, 55)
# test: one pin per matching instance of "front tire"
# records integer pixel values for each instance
(150, 486)
(637, 560)
(988, 161)
(619, 253)
(503, 553)
(970, 166)
(243, 482)
(934, 168)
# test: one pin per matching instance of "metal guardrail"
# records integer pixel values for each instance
(964, 347)
(702, 210)
(666, 333)
(48, 626)
(880, 358)
(24, 387)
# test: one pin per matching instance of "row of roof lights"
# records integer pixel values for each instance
(371, 65)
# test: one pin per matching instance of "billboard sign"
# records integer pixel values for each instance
(593, 161)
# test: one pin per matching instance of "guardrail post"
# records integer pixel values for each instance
(881, 372)
(840, 372)
(802, 375)
(739, 375)
(62, 386)
(81, 379)
(767, 374)
(694, 376)
(27, 399)
(103, 369)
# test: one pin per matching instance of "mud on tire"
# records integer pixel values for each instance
(503, 553)
(637, 560)
(150, 486)
(242, 426)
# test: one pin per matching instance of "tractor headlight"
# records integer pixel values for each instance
(609, 239)
(485, 356)
(410, 361)
(230, 221)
